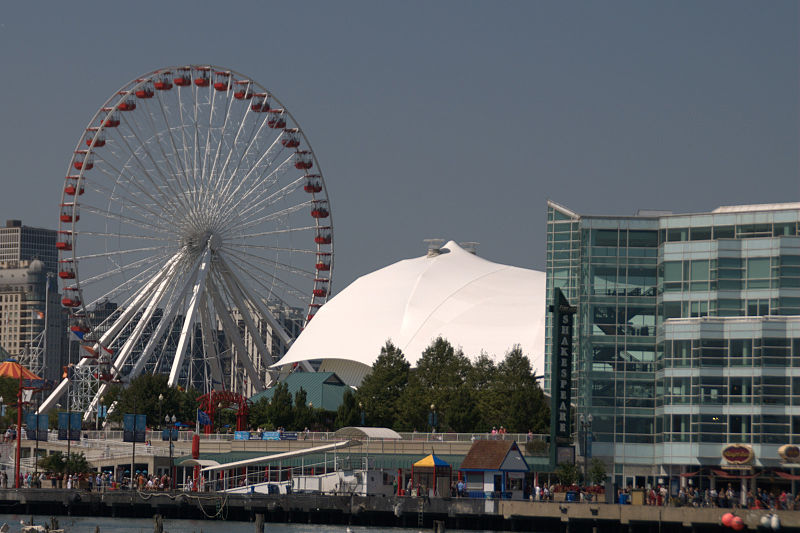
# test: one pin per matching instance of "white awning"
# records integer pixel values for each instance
(285, 455)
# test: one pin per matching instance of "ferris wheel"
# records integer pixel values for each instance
(195, 234)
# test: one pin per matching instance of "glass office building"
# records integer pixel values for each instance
(687, 336)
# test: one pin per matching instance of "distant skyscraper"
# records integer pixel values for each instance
(24, 243)
(25, 303)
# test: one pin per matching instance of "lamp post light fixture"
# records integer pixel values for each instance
(160, 401)
(586, 427)
(363, 417)
(433, 418)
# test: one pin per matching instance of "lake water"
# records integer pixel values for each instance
(145, 525)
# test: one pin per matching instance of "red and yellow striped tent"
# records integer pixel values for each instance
(12, 369)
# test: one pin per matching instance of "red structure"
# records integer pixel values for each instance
(214, 401)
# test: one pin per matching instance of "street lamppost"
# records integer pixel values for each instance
(160, 400)
(361, 408)
(170, 428)
(586, 427)
(433, 418)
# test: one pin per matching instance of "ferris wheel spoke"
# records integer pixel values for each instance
(153, 262)
(276, 215)
(130, 196)
(258, 303)
(155, 166)
(123, 218)
(262, 162)
(143, 320)
(256, 133)
(283, 231)
(79, 234)
(120, 252)
(235, 144)
(163, 326)
(222, 132)
(112, 331)
(244, 306)
(282, 266)
(180, 161)
(257, 267)
(187, 152)
(210, 347)
(188, 320)
(232, 332)
(259, 203)
(172, 173)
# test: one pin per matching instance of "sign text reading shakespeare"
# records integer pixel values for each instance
(561, 376)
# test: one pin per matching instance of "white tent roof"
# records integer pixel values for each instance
(475, 304)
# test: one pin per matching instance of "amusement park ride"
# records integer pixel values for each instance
(195, 202)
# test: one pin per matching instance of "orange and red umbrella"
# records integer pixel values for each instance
(12, 369)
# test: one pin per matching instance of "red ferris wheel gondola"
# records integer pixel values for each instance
(276, 119)
(222, 80)
(110, 119)
(260, 103)
(71, 188)
(320, 209)
(71, 297)
(290, 138)
(127, 103)
(202, 78)
(84, 161)
(145, 90)
(243, 90)
(183, 77)
(93, 138)
(66, 269)
(64, 241)
(303, 160)
(69, 213)
(323, 235)
(163, 82)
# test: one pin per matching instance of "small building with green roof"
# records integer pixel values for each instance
(324, 390)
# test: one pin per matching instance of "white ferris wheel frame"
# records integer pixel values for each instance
(154, 289)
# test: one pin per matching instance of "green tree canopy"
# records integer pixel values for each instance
(348, 413)
(443, 373)
(58, 462)
(280, 412)
(522, 399)
(381, 390)
(141, 397)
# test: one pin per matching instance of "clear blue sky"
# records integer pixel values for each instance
(442, 119)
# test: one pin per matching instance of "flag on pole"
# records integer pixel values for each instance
(76, 335)
(89, 349)
(37, 315)
(203, 418)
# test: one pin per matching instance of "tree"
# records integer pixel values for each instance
(141, 397)
(480, 380)
(304, 414)
(381, 390)
(57, 462)
(442, 373)
(523, 403)
(280, 411)
(258, 415)
(412, 406)
(598, 473)
(567, 473)
(348, 413)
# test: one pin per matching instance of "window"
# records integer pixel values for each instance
(700, 234)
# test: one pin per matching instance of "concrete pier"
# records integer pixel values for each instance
(450, 513)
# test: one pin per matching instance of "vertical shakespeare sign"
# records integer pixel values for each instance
(563, 320)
